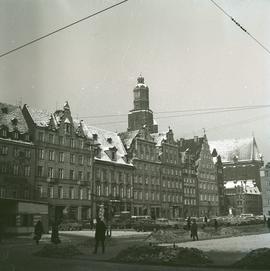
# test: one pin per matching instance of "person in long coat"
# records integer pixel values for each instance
(100, 235)
(55, 233)
(194, 230)
(38, 231)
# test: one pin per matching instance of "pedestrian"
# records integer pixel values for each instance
(100, 235)
(194, 230)
(38, 231)
(215, 224)
(264, 219)
(205, 219)
(55, 233)
(268, 222)
(188, 223)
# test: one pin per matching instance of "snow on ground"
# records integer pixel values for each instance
(115, 233)
(231, 244)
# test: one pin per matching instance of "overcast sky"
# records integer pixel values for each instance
(191, 55)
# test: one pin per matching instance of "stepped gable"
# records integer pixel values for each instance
(11, 117)
(243, 149)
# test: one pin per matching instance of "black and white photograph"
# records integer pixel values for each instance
(134, 135)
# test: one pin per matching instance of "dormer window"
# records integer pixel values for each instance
(26, 137)
(95, 136)
(4, 132)
(109, 140)
(14, 121)
(16, 135)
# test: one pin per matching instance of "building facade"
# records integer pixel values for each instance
(243, 197)
(63, 164)
(113, 174)
(204, 187)
(18, 208)
(265, 182)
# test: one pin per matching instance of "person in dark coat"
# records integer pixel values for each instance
(38, 231)
(215, 224)
(55, 234)
(100, 235)
(194, 230)
(188, 223)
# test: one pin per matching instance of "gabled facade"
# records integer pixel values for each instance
(112, 173)
(63, 164)
(206, 186)
(170, 175)
(142, 152)
(18, 208)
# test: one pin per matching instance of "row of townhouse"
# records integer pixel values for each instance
(79, 170)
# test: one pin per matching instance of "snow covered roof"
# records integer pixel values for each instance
(107, 140)
(11, 116)
(243, 149)
(40, 117)
(127, 137)
(247, 185)
(159, 138)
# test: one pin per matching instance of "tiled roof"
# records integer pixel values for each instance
(40, 117)
(128, 137)
(248, 186)
(107, 140)
(8, 116)
(243, 149)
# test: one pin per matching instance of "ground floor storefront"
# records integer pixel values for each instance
(20, 216)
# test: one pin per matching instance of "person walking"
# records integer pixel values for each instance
(188, 223)
(215, 224)
(55, 234)
(194, 230)
(38, 231)
(100, 235)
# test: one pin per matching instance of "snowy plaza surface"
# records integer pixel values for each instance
(115, 233)
(230, 244)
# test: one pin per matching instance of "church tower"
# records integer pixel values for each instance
(141, 115)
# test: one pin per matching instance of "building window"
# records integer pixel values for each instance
(89, 161)
(15, 169)
(98, 190)
(27, 154)
(89, 194)
(61, 140)
(88, 176)
(61, 157)
(40, 171)
(122, 192)
(71, 193)
(80, 175)
(72, 158)
(3, 168)
(67, 128)
(81, 144)
(140, 195)
(146, 196)
(80, 158)
(60, 192)
(16, 135)
(4, 133)
(71, 174)
(106, 190)
(41, 154)
(114, 191)
(51, 138)
(51, 192)
(51, 155)
(72, 143)
(128, 193)
(50, 172)
(16, 152)
(81, 193)
(27, 171)
(4, 150)
(61, 173)
(41, 136)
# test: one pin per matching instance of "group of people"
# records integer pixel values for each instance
(100, 234)
(39, 230)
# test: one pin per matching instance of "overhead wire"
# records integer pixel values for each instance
(241, 27)
(61, 29)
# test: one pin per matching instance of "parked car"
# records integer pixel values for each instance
(146, 225)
